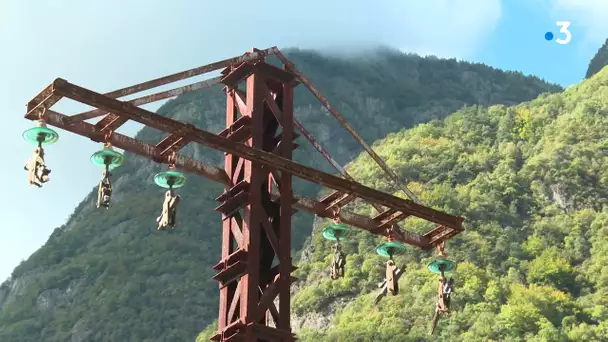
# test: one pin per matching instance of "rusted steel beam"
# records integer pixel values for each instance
(237, 75)
(334, 163)
(355, 220)
(110, 122)
(439, 234)
(64, 88)
(172, 142)
(284, 76)
(331, 197)
(45, 98)
(391, 221)
(216, 174)
(240, 130)
(149, 98)
(341, 201)
(250, 56)
(384, 214)
(347, 126)
(137, 147)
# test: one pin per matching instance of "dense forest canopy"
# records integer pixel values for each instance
(599, 61)
(532, 182)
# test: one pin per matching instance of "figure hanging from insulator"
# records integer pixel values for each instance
(388, 249)
(167, 217)
(339, 263)
(109, 159)
(442, 265)
(104, 191)
(171, 180)
(384, 285)
(335, 232)
(38, 173)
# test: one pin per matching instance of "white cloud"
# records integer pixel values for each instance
(452, 28)
(591, 16)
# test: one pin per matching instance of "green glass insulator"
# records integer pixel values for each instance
(335, 231)
(390, 248)
(42, 134)
(439, 264)
(108, 156)
(170, 179)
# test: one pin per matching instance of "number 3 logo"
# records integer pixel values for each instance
(564, 29)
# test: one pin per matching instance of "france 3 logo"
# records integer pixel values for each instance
(563, 25)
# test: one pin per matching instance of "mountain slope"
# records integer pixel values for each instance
(108, 276)
(599, 61)
(532, 182)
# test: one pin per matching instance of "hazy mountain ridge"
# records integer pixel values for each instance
(110, 276)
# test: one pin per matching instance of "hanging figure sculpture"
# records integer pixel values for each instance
(40, 134)
(167, 218)
(392, 280)
(446, 286)
(396, 273)
(339, 263)
(104, 191)
(389, 249)
(109, 159)
(334, 232)
(442, 307)
(171, 179)
(38, 173)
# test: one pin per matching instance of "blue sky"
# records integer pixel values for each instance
(105, 45)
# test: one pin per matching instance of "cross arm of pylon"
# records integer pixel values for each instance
(402, 208)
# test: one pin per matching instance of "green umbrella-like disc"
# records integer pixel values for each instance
(114, 158)
(43, 133)
(335, 231)
(171, 178)
(436, 265)
(390, 249)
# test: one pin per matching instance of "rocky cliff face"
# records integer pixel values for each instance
(109, 276)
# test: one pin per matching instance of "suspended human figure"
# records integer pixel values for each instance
(446, 286)
(104, 191)
(339, 263)
(392, 279)
(444, 293)
(167, 217)
(38, 173)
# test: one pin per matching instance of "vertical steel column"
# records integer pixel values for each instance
(252, 229)
(227, 293)
(253, 275)
(286, 211)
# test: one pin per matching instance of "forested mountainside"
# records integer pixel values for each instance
(109, 276)
(531, 181)
(599, 61)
